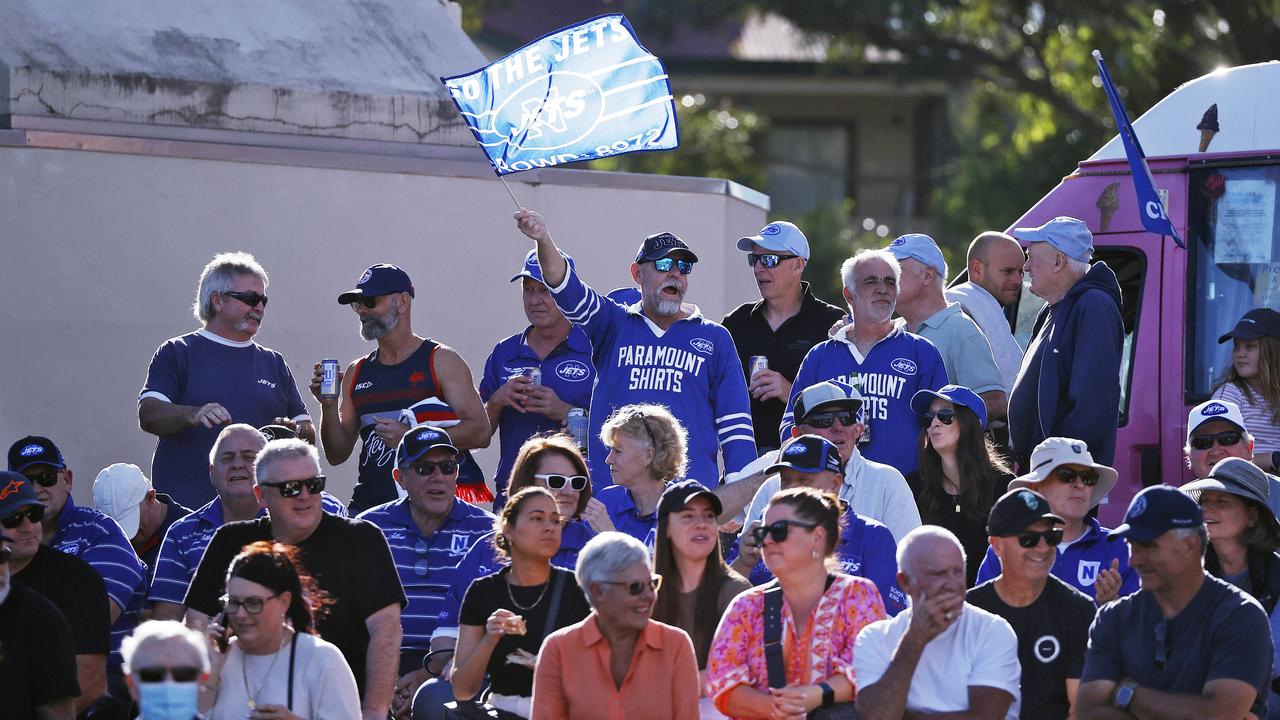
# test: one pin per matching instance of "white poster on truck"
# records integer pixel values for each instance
(1246, 215)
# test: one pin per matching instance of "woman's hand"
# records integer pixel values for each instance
(597, 516)
(503, 622)
(789, 703)
(272, 712)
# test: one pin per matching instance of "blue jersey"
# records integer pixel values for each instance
(627, 518)
(186, 540)
(1079, 563)
(897, 366)
(252, 382)
(567, 370)
(866, 550)
(427, 564)
(691, 368)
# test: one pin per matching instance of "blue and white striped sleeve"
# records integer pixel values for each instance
(583, 306)
(114, 559)
(172, 574)
(732, 406)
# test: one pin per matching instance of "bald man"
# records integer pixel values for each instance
(995, 281)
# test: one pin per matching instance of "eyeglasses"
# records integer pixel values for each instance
(366, 301)
(1030, 538)
(824, 420)
(181, 673)
(45, 479)
(1162, 644)
(1227, 438)
(946, 416)
(290, 488)
(34, 513)
(252, 299)
(778, 530)
(769, 260)
(426, 467)
(251, 605)
(635, 587)
(557, 482)
(1088, 476)
(664, 265)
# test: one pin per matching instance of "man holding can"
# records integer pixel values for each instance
(773, 334)
(535, 379)
(405, 372)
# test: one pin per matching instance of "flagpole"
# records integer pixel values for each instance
(507, 187)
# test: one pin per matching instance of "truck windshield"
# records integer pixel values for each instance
(1234, 244)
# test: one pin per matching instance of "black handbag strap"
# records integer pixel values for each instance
(293, 654)
(553, 609)
(773, 636)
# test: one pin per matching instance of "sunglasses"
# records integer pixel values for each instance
(291, 488)
(557, 482)
(252, 299)
(426, 467)
(824, 420)
(778, 530)
(769, 260)
(665, 264)
(1030, 538)
(635, 587)
(34, 513)
(1088, 476)
(368, 302)
(251, 605)
(45, 479)
(1226, 438)
(945, 416)
(181, 673)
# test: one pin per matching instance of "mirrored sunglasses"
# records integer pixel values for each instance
(556, 481)
(769, 260)
(665, 264)
(291, 488)
(427, 467)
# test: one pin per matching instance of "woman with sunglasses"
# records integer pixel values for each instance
(274, 665)
(506, 616)
(647, 449)
(821, 614)
(1253, 381)
(618, 662)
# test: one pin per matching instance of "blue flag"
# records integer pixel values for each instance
(583, 92)
(1154, 217)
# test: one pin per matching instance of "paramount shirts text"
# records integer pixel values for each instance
(658, 367)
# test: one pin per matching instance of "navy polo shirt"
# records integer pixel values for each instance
(626, 518)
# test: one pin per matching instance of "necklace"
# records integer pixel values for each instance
(511, 596)
(244, 672)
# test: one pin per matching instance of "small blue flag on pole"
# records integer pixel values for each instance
(1154, 217)
(583, 92)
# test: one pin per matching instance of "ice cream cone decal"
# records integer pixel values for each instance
(1208, 126)
(1107, 205)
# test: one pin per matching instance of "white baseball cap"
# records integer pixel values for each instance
(1210, 410)
(118, 491)
(778, 236)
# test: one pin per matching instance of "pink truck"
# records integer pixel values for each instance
(1214, 150)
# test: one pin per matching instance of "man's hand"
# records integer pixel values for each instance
(532, 225)
(749, 550)
(326, 402)
(597, 516)
(770, 385)
(931, 616)
(1107, 587)
(543, 400)
(406, 687)
(513, 392)
(305, 430)
(209, 415)
(390, 430)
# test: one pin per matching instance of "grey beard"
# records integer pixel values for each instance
(667, 308)
(376, 328)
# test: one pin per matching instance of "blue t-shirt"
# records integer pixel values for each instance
(691, 368)
(1079, 563)
(186, 540)
(866, 550)
(627, 518)
(896, 368)
(427, 564)
(252, 382)
(567, 370)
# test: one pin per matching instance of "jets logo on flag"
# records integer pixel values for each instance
(583, 92)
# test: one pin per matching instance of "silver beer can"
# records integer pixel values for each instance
(329, 378)
(577, 423)
(758, 363)
(535, 375)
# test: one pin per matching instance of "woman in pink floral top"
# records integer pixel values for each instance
(822, 613)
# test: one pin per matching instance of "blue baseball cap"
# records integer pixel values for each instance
(1069, 235)
(660, 245)
(16, 492)
(533, 270)
(956, 395)
(421, 440)
(808, 454)
(1155, 511)
(35, 450)
(780, 236)
(919, 247)
(378, 280)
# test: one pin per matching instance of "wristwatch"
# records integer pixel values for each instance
(1124, 693)
(1275, 461)
(828, 695)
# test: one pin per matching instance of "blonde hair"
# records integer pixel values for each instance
(657, 428)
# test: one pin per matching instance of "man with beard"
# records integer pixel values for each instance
(377, 390)
(217, 375)
(655, 352)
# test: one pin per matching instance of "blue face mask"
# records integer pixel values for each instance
(168, 700)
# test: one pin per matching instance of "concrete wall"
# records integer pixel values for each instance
(102, 251)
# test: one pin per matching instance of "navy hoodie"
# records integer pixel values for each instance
(1069, 384)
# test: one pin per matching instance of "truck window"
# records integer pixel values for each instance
(1234, 248)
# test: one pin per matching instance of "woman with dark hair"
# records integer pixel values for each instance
(819, 614)
(961, 474)
(1253, 381)
(506, 616)
(274, 665)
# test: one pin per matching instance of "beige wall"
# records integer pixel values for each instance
(102, 252)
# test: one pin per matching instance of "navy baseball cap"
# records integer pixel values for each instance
(919, 247)
(35, 450)
(956, 395)
(16, 492)
(378, 280)
(680, 494)
(1069, 235)
(660, 245)
(1018, 509)
(421, 440)
(276, 432)
(1257, 323)
(1155, 511)
(533, 270)
(808, 454)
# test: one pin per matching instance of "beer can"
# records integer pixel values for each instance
(759, 363)
(535, 375)
(329, 378)
(577, 422)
